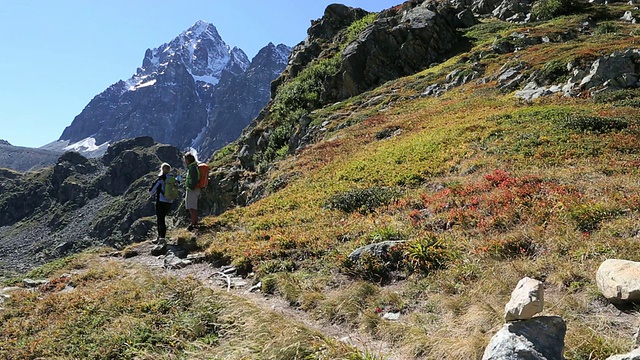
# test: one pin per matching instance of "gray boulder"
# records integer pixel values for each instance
(173, 262)
(513, 10)
(541, 338)
(378, 250)
(532, 91)
(628, 16)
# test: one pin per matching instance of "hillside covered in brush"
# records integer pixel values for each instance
(474, 143)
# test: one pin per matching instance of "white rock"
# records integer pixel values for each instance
(619, 280)
(527, 299)
(391, 316)
(628, 16)
(634, 355)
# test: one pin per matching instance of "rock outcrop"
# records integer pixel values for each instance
(399, 43)
(620, 70)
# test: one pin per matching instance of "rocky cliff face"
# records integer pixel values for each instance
(79, 202)
(239, 99)
(178, 95)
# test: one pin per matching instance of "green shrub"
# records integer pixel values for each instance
(243, 265)
(354, 30)
(269, 285)
(595, 124)
(225, 153)
(553, 72)
(625, 97)
(376, 268)
(426, 254)
(362, 200)
(386, 233)
(294, 100)
(508, 248)
(548, 9)
(275, 266)
(607, 27)
(589, 217)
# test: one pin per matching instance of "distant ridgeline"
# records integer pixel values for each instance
(193, 92)
(20, 158)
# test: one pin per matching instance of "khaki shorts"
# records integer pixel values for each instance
(192, 199)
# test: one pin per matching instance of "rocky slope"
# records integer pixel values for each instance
(400, 41)
(179, 94)
(397, 42)
(79, 202)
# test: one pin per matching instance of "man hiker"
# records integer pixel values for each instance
(193, 191)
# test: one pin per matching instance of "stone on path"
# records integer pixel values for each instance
(527, 299)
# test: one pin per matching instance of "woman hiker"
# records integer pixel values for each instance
(163, 199)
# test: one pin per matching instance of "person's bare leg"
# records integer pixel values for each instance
(194, 216)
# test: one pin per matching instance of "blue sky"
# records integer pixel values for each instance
(57, 55)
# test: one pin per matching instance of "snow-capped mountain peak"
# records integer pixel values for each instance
(200, 49)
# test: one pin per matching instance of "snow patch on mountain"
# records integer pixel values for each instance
(282, 54)
(88, 144)
(87, 147)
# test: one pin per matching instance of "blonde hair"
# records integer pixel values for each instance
(162, 167)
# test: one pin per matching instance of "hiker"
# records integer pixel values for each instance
(165, 191)
(193, 191)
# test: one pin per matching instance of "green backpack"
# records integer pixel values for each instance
(170, 188)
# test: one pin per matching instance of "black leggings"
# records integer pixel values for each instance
(162, 210)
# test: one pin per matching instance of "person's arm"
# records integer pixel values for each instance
(155, 187)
